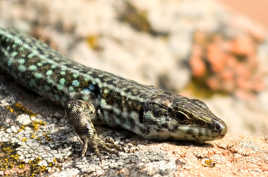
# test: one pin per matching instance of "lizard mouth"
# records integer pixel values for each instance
(191, 132)
(194, 132)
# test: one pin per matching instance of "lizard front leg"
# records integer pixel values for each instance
(80, 115)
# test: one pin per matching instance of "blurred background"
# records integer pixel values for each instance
(256, 11)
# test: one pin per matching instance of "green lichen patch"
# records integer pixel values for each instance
(37, 123)
(19, 108)
(11, 165)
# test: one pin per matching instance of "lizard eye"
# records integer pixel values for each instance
(181, 117)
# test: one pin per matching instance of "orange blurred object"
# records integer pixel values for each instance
(228, 65)
(196, 63)
(243, 45)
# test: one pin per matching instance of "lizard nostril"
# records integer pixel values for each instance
(221, 127)
(218, 126)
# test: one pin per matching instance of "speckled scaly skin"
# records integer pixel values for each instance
(91, 95)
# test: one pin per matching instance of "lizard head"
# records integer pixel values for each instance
(179, 118)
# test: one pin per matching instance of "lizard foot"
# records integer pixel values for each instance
(80, 115)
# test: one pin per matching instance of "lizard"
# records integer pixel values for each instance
(92, 96)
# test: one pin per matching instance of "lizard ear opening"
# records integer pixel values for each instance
(152, 112)
(146, 110)
(141, 115)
